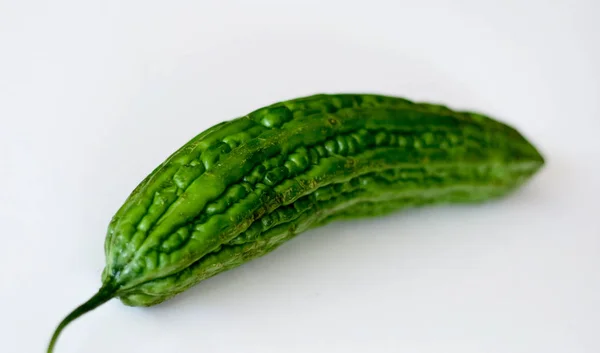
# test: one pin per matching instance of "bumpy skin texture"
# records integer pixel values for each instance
(242, 188)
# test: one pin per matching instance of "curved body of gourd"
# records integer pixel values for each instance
(243, 187)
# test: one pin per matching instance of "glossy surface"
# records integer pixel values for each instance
(242, 188)
(263, 178)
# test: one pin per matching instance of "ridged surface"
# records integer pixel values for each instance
(244, 187)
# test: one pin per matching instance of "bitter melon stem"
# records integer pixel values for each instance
(105, 293)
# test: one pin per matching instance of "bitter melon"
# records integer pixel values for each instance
(244, 187)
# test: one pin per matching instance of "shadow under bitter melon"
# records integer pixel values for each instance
(243, 187)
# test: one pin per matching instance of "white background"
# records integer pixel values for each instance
(95, 94)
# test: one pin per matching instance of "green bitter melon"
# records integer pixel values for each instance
(243, 187)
